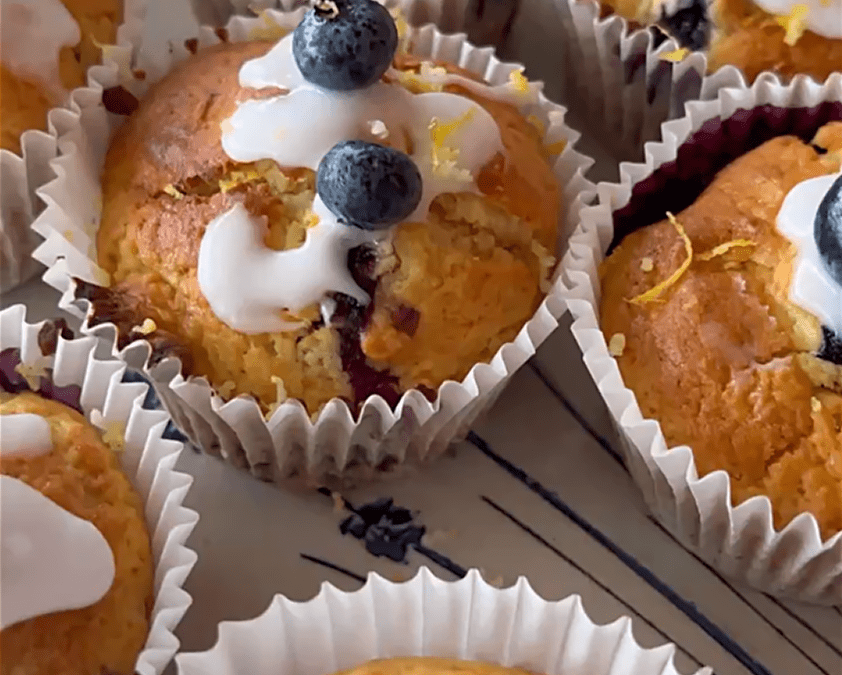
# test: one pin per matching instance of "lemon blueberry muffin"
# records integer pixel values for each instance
(425, 665)
(77, 571)
(726, 321)
(48, 46)
(326, 216)
(786, 37)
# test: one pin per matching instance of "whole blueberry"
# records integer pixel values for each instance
(345, 44)
(368, 185)
(828, 230)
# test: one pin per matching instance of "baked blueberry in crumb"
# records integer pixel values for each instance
(368, 185)
(689, 25)
(345, 44)
(831, 347)
(828, 230)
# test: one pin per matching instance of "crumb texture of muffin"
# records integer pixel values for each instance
(431, 666)
(722, 358)
(447, 292)
(25, 100)
(82, 475)
(755, 41)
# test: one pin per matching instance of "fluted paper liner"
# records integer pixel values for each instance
(740, 541)
(335, 444)
(23, 175)
(466, 619)
(148, 460)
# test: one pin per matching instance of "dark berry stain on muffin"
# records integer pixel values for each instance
(13, 382)
(119, 101)
(49, 335)
(831, 347)
(690, 25)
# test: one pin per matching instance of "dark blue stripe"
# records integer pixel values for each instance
(334, 567)
(574, 412)
(532, 533)
(688, 608)
(745, 600)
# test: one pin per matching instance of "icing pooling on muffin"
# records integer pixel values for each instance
(50, 559)
(33, 33)
(813, 287)
(246, 284)
(823, 17)
(24, 435)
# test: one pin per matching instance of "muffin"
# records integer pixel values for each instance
(421, 665)
(82, 604)
(781, 36)
(86, 478)
(701, 313)
(426, 626)
(407, 302)
(38, 75)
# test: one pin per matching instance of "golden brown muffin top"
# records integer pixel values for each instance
(431, 666)
(166, 177)
(722, 359)
(83, 476)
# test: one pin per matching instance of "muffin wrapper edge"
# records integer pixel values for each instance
(334, 445)
(740, 541)
(148, 460)
(24, 174)
(467, 619)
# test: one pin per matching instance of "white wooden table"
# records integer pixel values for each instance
(538, 490)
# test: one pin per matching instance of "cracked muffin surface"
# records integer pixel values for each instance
(447, 292)
(723, 359)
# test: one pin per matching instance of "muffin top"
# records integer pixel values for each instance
(439, 292)
(699, 312)
(82, 604)
(431, 666)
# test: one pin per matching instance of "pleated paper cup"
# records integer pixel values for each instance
(22, 175)
(740, 541)
(466, 619)
(39, 356)
(336, 447)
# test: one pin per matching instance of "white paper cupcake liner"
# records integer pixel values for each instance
(617, 82)
(147, 458)
(466, 619)
(289, 443)
(739, 541)
(23, 175)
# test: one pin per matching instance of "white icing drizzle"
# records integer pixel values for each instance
(246, 284)
(50, 560)
(812, 286)
(823, 17)
(24, 435)
(32, 33)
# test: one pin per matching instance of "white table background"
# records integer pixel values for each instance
(583, 530)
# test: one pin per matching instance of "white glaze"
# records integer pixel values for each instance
(823, 17)
(246, 284)
(812, 286)
(24, 435)
(50, 560)
(32, 33)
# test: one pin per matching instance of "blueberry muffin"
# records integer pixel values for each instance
(782, 36)
(36, 75)
(726, 322)
(326, 216)
(77, 563)
(424, 665)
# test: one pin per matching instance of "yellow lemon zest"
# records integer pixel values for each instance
(655, 292)
(675, 56)
(722, 249)
(794, 23)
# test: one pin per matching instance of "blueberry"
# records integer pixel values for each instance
(368, 185)
(345, 44)
(827, 230)
(688, 24)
